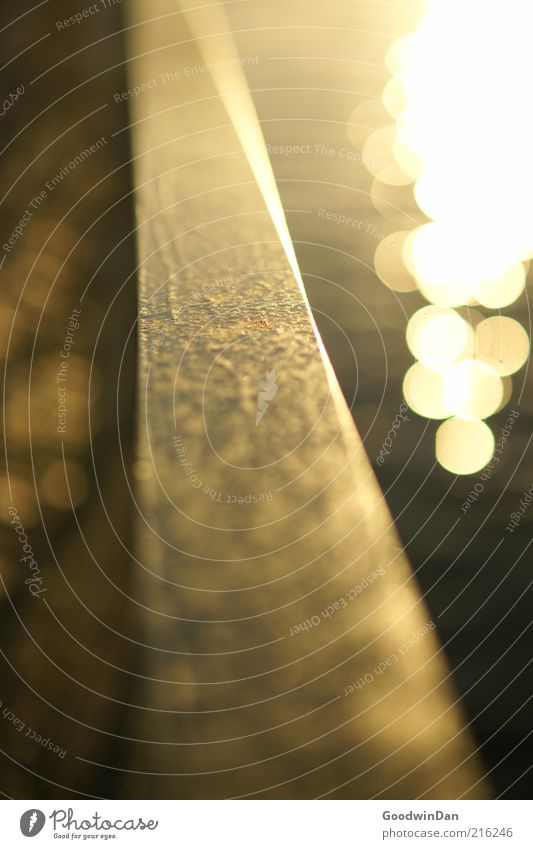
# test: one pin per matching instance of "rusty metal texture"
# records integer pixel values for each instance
(284, 647)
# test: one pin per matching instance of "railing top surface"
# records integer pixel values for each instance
(274, 587)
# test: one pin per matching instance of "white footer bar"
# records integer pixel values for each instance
(267, 824)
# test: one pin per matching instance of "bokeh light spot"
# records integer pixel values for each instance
(464, 446)
(472, 388)
(389, 264)
(423, 389)
(437, 336)
(503, 343)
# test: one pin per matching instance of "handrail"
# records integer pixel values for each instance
(286, 651)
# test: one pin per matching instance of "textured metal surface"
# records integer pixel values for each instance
(248, 528)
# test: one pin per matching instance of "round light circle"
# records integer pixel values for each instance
(464, 446)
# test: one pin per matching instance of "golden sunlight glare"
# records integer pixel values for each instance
(462, 137)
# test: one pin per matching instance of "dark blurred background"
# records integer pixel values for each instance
(73, 251)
